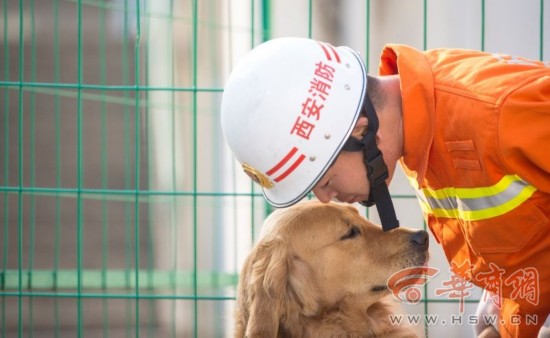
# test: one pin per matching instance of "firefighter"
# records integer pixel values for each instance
(470, 129)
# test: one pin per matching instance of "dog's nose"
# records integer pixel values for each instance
(420, 239)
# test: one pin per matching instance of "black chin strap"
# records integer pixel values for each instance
(377, 171)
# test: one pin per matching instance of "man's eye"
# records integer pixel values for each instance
(353, 232)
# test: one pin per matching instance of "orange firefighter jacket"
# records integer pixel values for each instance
(477, 149)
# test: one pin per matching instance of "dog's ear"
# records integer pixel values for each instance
(266, 286)
(302, 289)
(278, 289)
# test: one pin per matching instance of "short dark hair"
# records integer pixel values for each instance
(374, 91)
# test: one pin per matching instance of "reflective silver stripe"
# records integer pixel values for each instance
(477, 203)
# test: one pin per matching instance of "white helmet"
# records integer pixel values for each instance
(288, 109)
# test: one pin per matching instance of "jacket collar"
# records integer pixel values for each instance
(418, 104)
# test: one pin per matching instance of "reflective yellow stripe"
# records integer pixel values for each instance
(472, 204)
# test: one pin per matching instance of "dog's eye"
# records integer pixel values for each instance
(353, 232)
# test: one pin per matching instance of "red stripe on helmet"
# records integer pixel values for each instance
(282, 162)
(335, 52)
(291, 169)
(328, 48)
(325, 50)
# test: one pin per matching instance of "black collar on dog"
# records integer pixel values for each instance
(377, 171)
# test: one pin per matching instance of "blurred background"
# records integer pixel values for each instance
(122, 212)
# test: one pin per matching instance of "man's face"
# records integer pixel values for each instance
(346, 180)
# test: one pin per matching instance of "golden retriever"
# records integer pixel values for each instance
(320, 270)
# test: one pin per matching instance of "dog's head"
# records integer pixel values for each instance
(314, 257)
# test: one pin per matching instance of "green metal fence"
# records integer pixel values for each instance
(122, 212)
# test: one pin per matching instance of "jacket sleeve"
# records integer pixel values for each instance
(524, 130)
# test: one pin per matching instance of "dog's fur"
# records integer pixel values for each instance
(320, 270)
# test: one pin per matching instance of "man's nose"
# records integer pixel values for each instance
(324, 195)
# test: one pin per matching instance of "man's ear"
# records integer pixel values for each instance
(360, 128)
